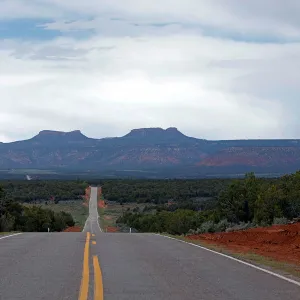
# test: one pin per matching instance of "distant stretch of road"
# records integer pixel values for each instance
(113, 266)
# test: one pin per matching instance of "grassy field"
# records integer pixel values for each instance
(75, 208)
(283, 268)
(112, 211)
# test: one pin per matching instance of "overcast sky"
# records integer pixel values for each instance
(214, 69)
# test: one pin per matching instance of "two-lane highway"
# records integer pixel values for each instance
(92, 223)
(93, 264)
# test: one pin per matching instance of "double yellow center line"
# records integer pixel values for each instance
(98, 284)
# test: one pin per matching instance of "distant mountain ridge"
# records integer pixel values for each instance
(153, 149)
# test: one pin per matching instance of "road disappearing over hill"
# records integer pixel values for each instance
(118, 266)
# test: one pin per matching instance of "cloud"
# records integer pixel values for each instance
(254, 20)
(149, 64)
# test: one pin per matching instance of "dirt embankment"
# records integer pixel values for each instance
(73, 229)
(87, 196)
(101, 202)
(111, 229)
(280, 242)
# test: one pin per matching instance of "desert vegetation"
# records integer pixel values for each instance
(34, 206)
(229, 205)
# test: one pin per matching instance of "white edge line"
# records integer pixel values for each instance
(7, 236)
(83, 230)
(87, 219)
(99, 224)
(235, 259)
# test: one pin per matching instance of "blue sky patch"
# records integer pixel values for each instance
(29, 29)
(26, 29)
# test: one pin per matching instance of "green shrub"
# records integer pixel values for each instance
(280, 221)
(222, 225)
(241, 226)
(207, 227)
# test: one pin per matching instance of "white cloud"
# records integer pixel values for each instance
(126, 76)
(269, 18)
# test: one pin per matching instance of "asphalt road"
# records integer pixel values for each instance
(91, 264)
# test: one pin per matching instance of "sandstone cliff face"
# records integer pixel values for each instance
(253, 156)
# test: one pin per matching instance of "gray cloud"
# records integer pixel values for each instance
(151, 63)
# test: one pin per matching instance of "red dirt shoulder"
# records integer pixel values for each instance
(280, 242)
(73, 229)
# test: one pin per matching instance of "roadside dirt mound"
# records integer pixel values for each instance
(86, 197)
(73, 229)
(101, 204)
(280, 242)
(87, 194)
(111, 229)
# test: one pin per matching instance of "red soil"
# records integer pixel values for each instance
(73, 229)
(111, 229)
(86, 197)
(280, 242)
(101, 204)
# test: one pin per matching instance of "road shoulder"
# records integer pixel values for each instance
(284, 270)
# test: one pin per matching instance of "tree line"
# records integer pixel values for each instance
(161, 191)
(17, 217)
(242, 203)
(43, 190)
